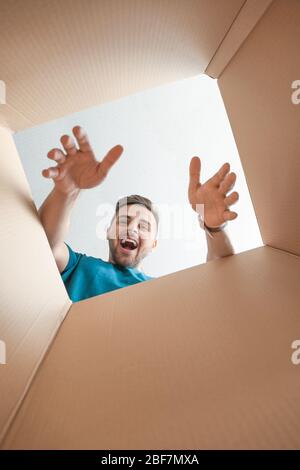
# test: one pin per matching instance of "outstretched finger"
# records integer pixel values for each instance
(232, 198)
(56, 155)
(229, 215)
(52, 172)
(110, 159)
(82, 139)
(228, 183)
(68, 144)
(195, 169)
(220, 175)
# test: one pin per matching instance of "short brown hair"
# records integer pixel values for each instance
(137, 199)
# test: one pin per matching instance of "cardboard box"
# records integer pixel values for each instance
(198, 359)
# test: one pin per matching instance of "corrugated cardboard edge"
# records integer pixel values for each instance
(60, 321)
(245, 21)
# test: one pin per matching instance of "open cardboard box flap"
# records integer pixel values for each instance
(170, 363)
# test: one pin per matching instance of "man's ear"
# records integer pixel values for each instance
(154, 244)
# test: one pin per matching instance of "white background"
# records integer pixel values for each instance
(160, 130)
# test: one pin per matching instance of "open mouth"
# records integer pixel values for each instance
(128, 244)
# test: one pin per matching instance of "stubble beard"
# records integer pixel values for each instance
(123, 260)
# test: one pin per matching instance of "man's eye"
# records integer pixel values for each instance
(122, 222)
(144, 227)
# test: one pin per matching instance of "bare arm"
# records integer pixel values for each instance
(218, 245)
(211, 202)
(55, 214)
(76, 169)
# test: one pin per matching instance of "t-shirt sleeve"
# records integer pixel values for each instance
(74, 258)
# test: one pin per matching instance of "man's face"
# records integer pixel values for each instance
(132, 235)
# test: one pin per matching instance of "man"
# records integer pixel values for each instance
(132, 234)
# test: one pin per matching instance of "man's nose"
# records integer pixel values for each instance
(133, 228)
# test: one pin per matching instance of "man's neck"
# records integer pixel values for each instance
(138, 267)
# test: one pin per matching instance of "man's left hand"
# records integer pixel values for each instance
(213, 194)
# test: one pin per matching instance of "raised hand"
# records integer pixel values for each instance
(213, 194)
(77, 168)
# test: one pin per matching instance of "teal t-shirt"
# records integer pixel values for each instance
(86, 276)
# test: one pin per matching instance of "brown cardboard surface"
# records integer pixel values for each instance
(197, 359)
(33, 300)
(12, 119)
(256, 89)
(243, 24)
(58, 57)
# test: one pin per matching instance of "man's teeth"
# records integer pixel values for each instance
(128, 243)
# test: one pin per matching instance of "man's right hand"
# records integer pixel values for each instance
(77, 168)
